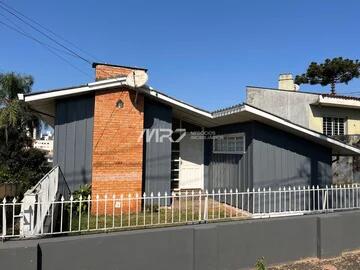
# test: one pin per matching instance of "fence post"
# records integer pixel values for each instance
(326, 197)
(248, 200)
(206, 206)
(269, 200)
(237, 201)
(4, 217)
(199, 205)
(71, 213)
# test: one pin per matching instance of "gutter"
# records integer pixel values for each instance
(338, 102)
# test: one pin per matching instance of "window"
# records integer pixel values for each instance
(333, 126)
(229, 144)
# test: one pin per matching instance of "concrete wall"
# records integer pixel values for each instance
(352, 116)
(228, 245)
(296, 107)
(290, 105)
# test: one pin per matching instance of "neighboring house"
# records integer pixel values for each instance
(333, 115)
(43, 142)
(46, 145)
(98, 140)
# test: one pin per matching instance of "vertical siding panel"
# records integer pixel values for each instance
(229, 170)
(157, 157)
(89, 125)
(73, 139)
(70, 142)
(291, 158)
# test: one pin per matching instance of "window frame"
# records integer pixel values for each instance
(230, 135)
(335, 121)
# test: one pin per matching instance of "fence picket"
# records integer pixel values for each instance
(155, 209)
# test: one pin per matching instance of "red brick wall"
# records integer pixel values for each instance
(103, 72)
(117, 150)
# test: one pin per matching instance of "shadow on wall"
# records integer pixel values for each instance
(283, 159)
(77, 178)
(73, 139)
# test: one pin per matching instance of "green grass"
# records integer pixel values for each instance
(156, 218)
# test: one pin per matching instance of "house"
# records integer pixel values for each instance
(45, 143)
(336, 116)
(123, 140)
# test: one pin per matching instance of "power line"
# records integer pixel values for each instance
(68, 51)
(15, 27)
(46, 46)
(49, 30)
(46, 35)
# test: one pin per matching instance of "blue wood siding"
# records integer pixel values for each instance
(229, 170)
(157, 155)
(283, 159)
(273, 158)
(73, 139)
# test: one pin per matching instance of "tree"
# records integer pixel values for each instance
(331, 72)
(14, 113)
(19, 161)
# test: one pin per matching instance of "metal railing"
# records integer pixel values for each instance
(130, 211)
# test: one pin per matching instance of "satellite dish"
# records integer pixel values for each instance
(136, 78)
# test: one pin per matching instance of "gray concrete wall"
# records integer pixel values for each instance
(290, 105)
(220, 246)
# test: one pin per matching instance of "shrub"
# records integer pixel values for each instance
(260, 264)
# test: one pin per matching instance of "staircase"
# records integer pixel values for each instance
(37, 204)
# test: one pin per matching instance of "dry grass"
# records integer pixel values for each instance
(347, 261)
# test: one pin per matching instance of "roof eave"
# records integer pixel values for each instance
(338, 102)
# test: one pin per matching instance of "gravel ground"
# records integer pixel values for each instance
(348, 261)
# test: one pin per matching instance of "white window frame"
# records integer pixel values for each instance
(332, 120)
(231, 135)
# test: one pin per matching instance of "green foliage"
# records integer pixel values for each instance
(260, 264)
(84, 191)
(11, 84)
(19, 162)
(13, 112)
(331, 72)
(155, 208)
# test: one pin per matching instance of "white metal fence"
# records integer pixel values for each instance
(102, 213)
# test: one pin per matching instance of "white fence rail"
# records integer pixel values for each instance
(103, 213)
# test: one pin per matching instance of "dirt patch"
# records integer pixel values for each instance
(348, 261)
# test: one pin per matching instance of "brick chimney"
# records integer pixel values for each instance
(108, 71)
(286, 82)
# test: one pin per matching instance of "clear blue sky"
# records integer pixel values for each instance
(203, 52)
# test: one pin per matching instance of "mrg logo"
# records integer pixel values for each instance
(160, 135)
